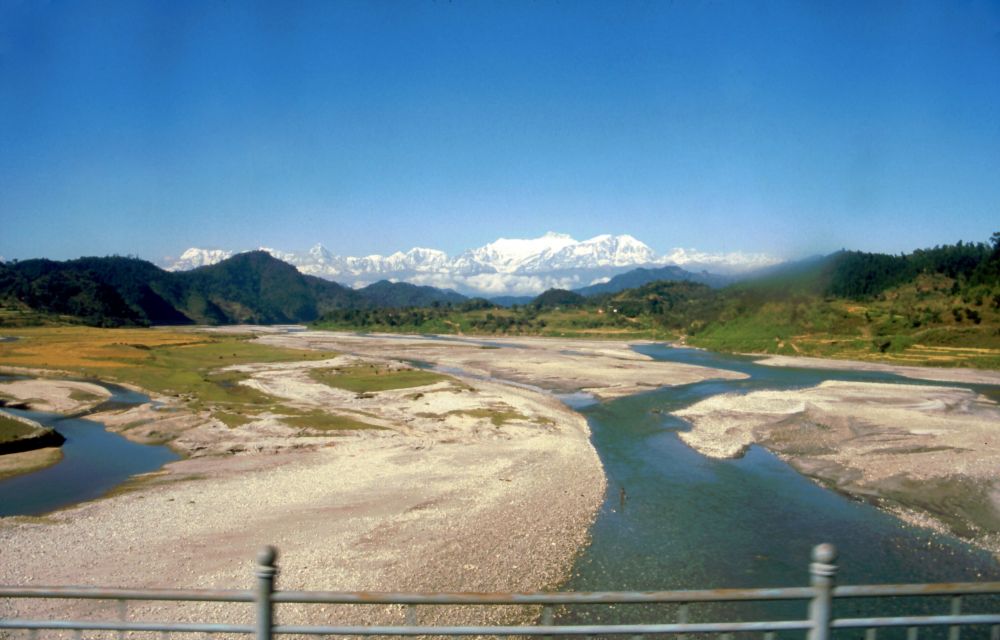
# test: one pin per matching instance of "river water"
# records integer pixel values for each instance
(695, 522)
(94, 460)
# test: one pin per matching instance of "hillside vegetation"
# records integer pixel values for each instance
(250, 288)
(933, 306)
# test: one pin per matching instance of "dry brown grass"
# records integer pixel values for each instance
(76, 348)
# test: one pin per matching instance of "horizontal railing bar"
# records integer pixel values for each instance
(402, 630)
(943, 589)
(96, 593)
(90, 625)
(343, 597)
(916, 621)
(568, 630)
(582, 597)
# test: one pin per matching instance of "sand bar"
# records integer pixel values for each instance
(55, 396)
(940, 374)
(603, 368)
(931, 454)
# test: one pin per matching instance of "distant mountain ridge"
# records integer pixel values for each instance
(505, 267)
(947, 297)
(252, 287)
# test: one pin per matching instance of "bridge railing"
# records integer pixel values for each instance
(818, 625)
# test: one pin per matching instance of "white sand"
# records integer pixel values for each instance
(940, 374)
(603, 368)
(55, 396)
(934, 451)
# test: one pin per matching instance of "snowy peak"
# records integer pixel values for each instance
(194, 258)
(605, 251)
(319, 254)
(557, 251)
(509, 255)
(506, 266)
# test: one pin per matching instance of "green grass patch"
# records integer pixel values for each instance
(84, 396)
(232, 420)
(11, 430)
(327, 422)
(363, 378)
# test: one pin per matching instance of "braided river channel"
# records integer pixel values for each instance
(672, 518)
(693, 522)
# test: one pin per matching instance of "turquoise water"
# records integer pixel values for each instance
(94, 461)
(694, 522)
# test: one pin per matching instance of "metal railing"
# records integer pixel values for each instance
(818, 625)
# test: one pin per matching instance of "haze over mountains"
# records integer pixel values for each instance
(506, 266)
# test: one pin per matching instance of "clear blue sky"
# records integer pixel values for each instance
(144, 128)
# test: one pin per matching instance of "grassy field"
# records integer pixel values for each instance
(177, 363)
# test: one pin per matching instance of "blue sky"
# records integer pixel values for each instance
(783, 127)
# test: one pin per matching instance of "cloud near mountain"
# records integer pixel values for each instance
(507, 266)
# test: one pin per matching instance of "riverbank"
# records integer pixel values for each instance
(20, 435)
(459, 484)
(939, 374)
(15, 464)
(927, 453)
(25, 445)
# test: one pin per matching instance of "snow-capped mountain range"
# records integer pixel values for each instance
(506, 266)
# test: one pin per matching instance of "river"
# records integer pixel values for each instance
(695, 522)
(94, 460)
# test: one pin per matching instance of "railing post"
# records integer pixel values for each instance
(822, 572)
(265, 572)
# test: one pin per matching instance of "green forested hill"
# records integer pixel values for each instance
(642, 275)
(397, 295)
(250, 287)
(939, 305)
